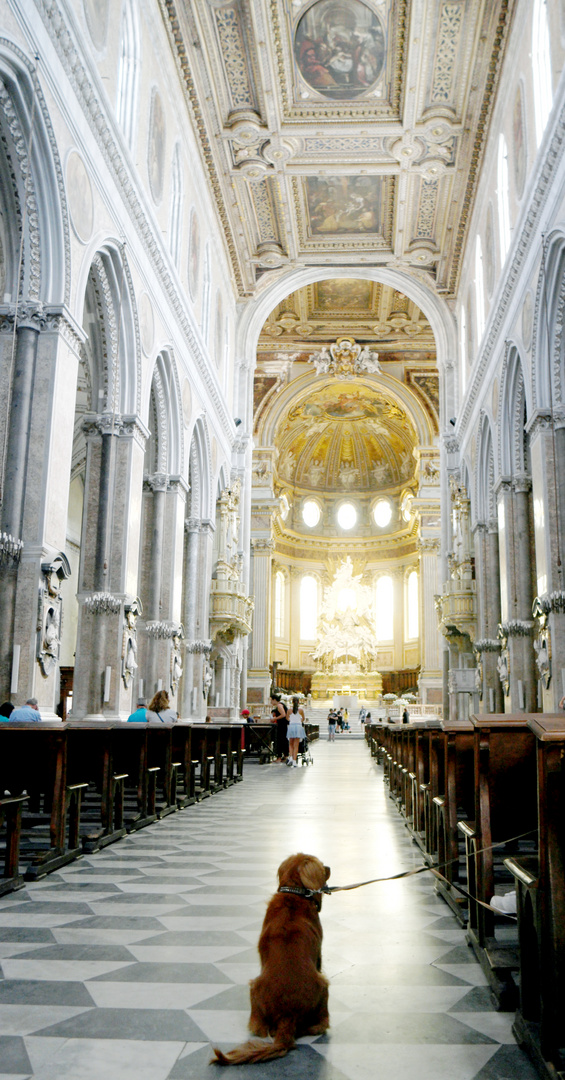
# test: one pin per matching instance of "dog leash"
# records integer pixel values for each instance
(329, 889)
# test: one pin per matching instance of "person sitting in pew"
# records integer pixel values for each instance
(6, 710)
(27, 712)
(159, 710)
(140, 714)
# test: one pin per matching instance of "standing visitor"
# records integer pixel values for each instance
(296, 731)
(279, 715)
(362, 714)
(405, 716)
(332, 721)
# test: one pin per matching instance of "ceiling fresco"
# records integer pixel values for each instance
(345, 437)
(340, 132)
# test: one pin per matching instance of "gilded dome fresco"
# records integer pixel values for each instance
(346, 437)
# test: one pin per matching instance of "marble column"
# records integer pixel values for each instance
(108, 571)
(547, 448)
(38, 383)
(430, 680)
(516, 592)
(190, 594)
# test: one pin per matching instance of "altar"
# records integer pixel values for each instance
(346, 648)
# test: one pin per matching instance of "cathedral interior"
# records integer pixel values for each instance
(282, 411)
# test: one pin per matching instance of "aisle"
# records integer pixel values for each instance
(126, 965)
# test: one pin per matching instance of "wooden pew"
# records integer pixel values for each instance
(90, 757)
(456, 804)
(540, 887)
(10, 829)
(34, 758)
(505, 807)
(130, 754)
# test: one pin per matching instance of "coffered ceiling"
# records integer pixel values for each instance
(341, 132)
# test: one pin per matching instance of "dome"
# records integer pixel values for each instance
(346, 437)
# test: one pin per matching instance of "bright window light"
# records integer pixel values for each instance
(311, 513)
(541, 65)
(346, 516)
(503, 199)
(382, 513)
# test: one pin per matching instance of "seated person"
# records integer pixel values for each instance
(140, 714)
(27, 712)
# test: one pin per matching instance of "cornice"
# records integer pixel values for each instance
(79, 78)
(172, 24)
(482, 125)
(528, 233)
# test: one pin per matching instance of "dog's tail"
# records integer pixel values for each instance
(255, 1050)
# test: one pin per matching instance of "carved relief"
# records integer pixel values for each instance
(50, 614)
(129, 640)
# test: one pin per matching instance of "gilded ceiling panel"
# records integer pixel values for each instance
(340, 58)
(329, 130)
(333, 207)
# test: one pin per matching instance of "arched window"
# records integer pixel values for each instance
(463, 347)
(503, 199)
(384, 609)
(541, 68)
(206, 289)
(177, 195)
(412, 607)
(279, 604)
(479, 289)
(308, 608)
(128, 72)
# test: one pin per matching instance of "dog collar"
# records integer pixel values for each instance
(308, 894)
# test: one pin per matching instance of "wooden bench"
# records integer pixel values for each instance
(34, 759)
(505, 807)
(10, 830)
(456, 804)
(540, 888)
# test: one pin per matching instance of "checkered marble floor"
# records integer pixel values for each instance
(129, 963)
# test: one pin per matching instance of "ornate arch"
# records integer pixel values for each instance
(548, 349)
(36, 182)
(118, 373)
(485, 508)
(200, 474)
(511, 411)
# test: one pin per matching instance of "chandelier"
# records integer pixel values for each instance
(345, 359)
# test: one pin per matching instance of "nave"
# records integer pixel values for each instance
(132, 961)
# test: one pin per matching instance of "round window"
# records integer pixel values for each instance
(382, 513)
(346, 516)
(311, 513)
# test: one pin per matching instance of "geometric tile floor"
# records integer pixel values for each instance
(128, 964)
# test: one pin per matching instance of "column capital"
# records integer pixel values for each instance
(156, 482)
(522, 484)
(192, 525)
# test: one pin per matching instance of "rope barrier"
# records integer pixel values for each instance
(328, 889)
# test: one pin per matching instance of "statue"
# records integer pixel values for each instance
(129, 641)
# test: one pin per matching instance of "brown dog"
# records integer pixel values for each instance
(290, 996)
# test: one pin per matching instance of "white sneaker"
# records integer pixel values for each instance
(295, 764)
